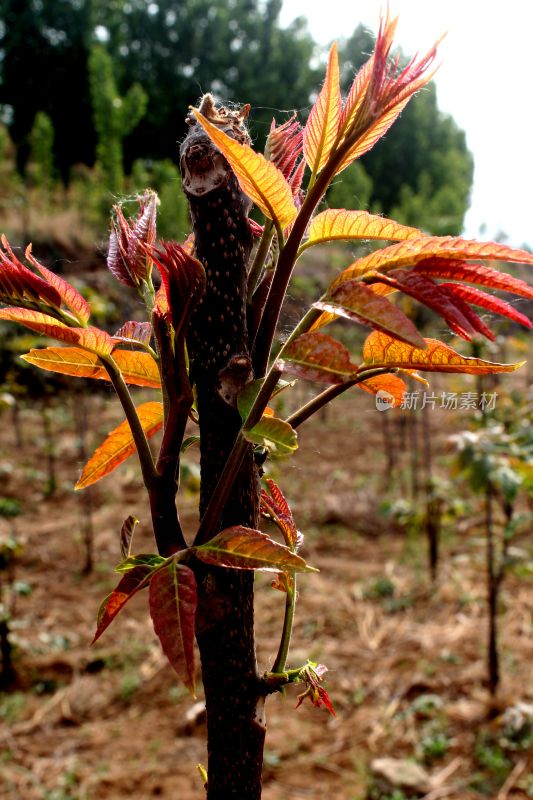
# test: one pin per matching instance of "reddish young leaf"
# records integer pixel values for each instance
(284, 147)
(276, 508)
(355, 301)
(260, 179)
(476, 273)
(73, 300)
(183, 278)
(446, 249)
(322, 125)
(478, 298)
(17, 282)
(473, 318)
(138, 369)
(381, 350)
(391, 384)
(134, 332)
(173, 601)
(318, 357)
(128, 585)
(337, 224)
(428, 292)
(244, 548)
(380, 92)
(312, 675)
(128, 259)
(119, 445)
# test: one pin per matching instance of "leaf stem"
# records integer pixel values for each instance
(288, 620)
(139, 437)
(260, 258)
(320, 400)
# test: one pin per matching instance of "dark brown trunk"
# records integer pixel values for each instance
(220, 366)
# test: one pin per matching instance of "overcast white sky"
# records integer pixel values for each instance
(485, 82)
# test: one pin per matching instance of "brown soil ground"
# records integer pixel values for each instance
(111, 722)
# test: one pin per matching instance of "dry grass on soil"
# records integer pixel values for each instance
(406, 661)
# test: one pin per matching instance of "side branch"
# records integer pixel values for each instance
(320, 400)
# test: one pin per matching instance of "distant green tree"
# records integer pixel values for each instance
(43, 67)
(42, 154)
(353, 187)
(422, 170)
(114, 116)
(176, 51)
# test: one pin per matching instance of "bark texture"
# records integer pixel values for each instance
(220, 367)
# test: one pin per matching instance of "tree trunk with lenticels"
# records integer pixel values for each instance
(220, 366)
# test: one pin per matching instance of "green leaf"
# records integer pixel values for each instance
(245, 548)
(173, 601)
(246, 397)
(142, 559)
(274, 434)
(189, 442)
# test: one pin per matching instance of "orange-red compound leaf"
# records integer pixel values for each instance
(119, 445)
(138, 369)
(69, 295)
(381, 350)
(276, 508)
(322, 126)
(355, 301)
(173, 601)
(92, 339)
(446, 248)
(318, 357)
(129, 585)
(259, 178)
(391, 384)
(244, 548)
(336, 224)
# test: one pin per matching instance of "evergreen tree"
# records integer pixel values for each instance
(42, 156)
(114, 116)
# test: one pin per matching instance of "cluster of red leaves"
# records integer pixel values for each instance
(312, 675)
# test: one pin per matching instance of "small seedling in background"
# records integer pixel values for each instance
(10, 549)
